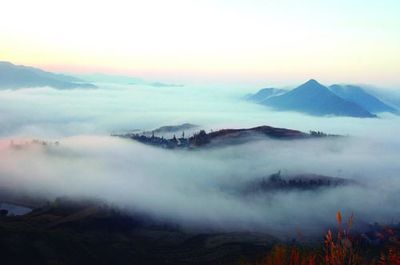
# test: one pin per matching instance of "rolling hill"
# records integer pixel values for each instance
(223, 137)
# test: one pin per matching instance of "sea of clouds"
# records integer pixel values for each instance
(194, 188)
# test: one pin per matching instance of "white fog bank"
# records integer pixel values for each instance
(192, 187)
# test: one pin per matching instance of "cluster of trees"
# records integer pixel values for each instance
(161, 141)
(318, 134)
(299, 182)
(198, 139)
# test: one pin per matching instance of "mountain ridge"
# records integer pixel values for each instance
(358, 95)
(265, 93)
(20, 76)
(315, 99)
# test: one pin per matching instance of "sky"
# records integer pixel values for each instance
(243, 42)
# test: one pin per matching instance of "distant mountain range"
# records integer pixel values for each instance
(19, 76)
(106, 78)
(315, 99)
(170, 130)
(123, 80)
(265, 93)
(174, 128)
(359, 96)
(391, 97)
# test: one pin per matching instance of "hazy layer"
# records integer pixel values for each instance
(45, 112)
(193, 188)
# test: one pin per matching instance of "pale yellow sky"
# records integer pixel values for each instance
(244, 41)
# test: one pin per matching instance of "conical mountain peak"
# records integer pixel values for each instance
(312, 83)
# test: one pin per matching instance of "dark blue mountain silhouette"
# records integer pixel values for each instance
(359, 96)
(265, 93)
(316, 99)
(19, 76)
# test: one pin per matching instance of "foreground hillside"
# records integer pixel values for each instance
(71, 232)
(341, 246)
(83, 232)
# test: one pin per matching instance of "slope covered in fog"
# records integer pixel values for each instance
(219, 138)
(362, 98)
(265, 93)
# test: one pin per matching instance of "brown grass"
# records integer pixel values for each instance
(339, 248)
